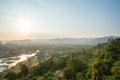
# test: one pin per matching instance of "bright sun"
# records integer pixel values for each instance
(24, 26)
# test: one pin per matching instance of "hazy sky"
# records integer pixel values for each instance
(59, 18)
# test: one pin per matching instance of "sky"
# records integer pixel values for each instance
(20, 19)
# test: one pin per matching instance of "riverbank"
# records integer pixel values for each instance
(7, 63)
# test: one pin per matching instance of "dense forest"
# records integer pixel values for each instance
(68, 62)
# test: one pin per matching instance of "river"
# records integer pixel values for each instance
(7, 63)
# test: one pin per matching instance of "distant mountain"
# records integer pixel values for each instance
(70, 40)
(101, 40)
(83, 41)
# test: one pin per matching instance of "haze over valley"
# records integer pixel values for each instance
(59, 39)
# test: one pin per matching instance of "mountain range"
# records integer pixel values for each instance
(83, 41)
(87, 41)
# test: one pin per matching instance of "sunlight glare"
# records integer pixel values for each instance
(23, 57)
(24, 26)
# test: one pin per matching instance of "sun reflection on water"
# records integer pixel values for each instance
(19, 59)
(23, 57)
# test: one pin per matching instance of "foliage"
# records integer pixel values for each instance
(105, 65)
(101, 62)
(10, 75)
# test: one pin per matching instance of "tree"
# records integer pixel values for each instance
(10, 76)
(101, 65)
(23, 70)
(73, 67)
(68, 74)
(116, 70)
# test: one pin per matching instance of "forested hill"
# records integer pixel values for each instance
(74, 65)
(106, 65)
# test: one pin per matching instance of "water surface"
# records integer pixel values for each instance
(7, 63)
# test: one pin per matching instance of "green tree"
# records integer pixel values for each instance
(100, 67)
(68, 74)
(116, 70)
(10, 76)
(24, 71)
